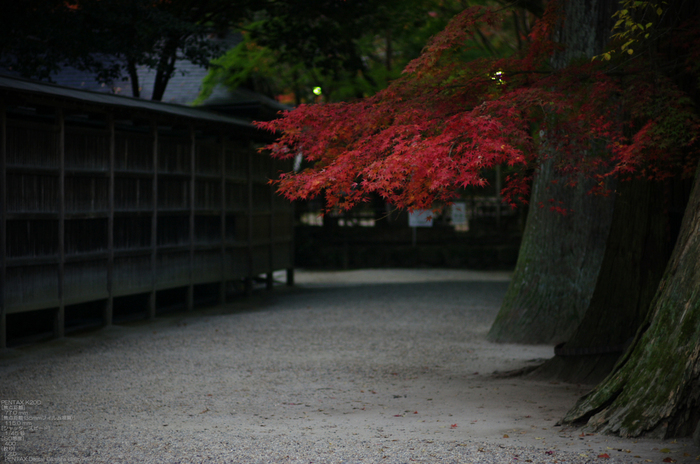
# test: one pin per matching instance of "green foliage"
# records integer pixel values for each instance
(348, 49)
(238, 65)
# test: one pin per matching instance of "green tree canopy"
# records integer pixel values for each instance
(345, 50)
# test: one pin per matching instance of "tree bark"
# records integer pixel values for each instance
(638, 248)
(165, 69)
(655, 387)
(134, 78)
(560, 256)
(558, 264)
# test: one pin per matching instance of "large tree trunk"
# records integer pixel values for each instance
(644, 229)
(655, 387)
(560, 256)
(638, 248)
(558, 264)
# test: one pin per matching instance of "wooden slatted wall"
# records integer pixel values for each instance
(99, 202)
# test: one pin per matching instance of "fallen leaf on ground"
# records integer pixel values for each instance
(604, 456)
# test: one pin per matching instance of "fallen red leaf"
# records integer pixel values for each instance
(669, 460)
(453, 426)
(604, 456)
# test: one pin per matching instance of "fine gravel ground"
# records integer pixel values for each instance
(373, 366)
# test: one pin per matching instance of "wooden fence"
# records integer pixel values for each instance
(105, 196)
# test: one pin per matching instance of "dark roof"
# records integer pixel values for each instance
(22, 86)
(183, 88)
(245, 103)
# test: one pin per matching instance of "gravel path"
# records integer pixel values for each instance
(347, 367)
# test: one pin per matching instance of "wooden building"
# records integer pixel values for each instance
(105, 196)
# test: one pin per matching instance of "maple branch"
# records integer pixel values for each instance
(486, 42)
(416, 143)
(517, 30)
(533, 6)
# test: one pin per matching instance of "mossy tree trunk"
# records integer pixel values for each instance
(645, 226)
(638, 248)
(655, 387)
(560, 256)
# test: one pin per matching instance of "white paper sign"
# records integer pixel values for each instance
(459, 213)
(420, 218)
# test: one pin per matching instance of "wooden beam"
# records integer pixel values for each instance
(154, 222)
(108, 315)
(193, 179)
(3, 226)
(60, 317)
(222, 288)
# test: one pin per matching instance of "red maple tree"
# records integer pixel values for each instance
(446, 121)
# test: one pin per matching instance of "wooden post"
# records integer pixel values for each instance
(290, 269)
(109, 307)
(3, 226)
(498, 196)
(269, 281)
(60, 317)
(249, 279)
(154, 223)
(222, 288)
(190, 287)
